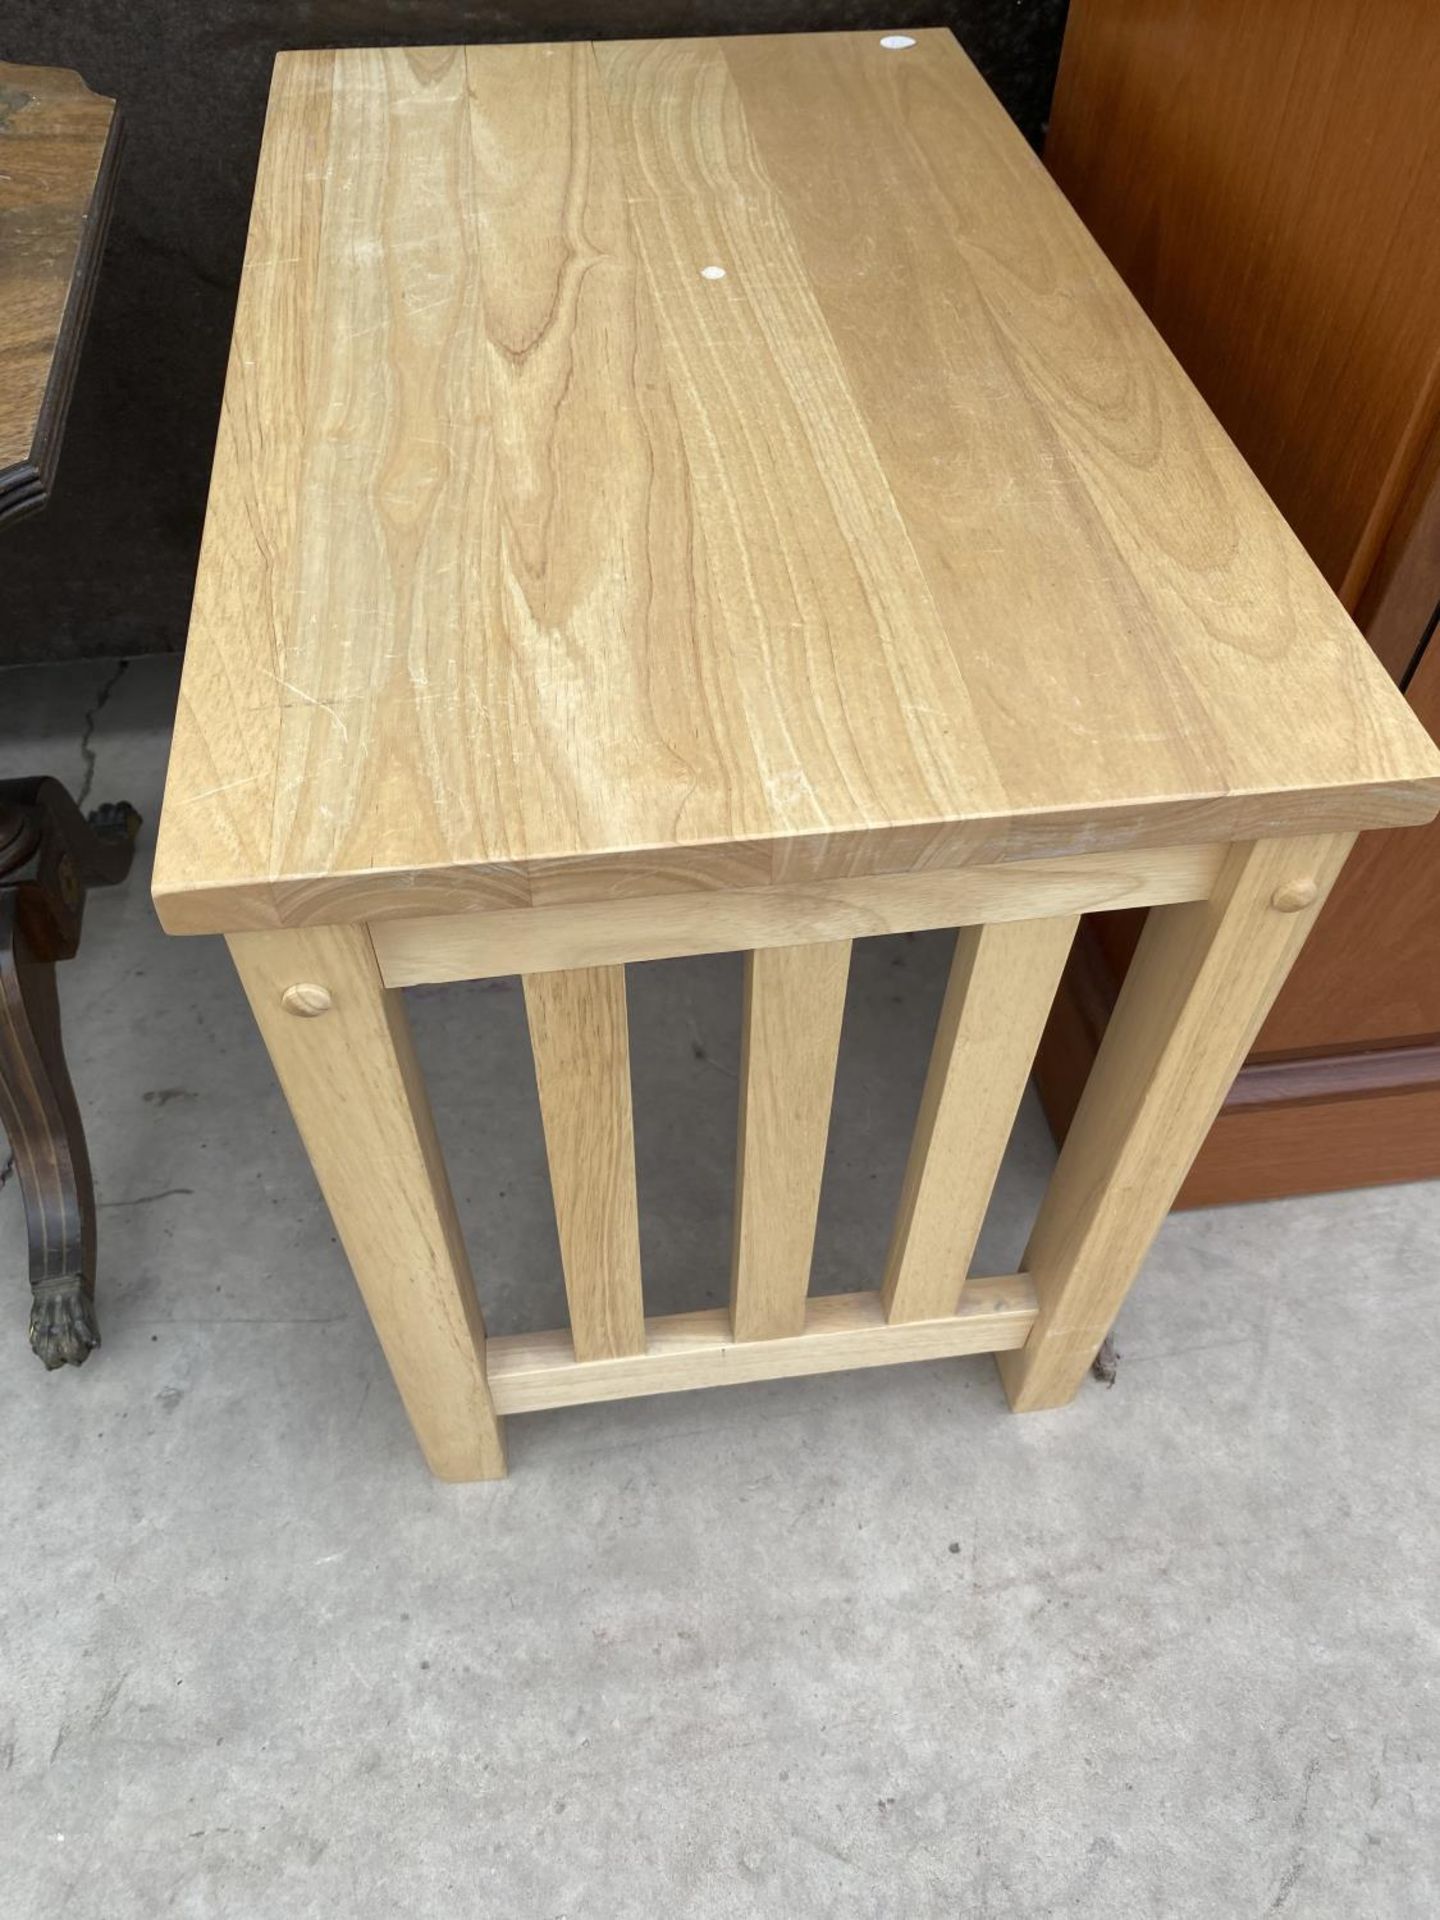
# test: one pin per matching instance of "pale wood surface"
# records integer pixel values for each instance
(1002, 983)
(535, 558)
(794, 1006)
(1201, 982)
(472, 946)
(355, 1089)
(529, 1371)
(579, 1036)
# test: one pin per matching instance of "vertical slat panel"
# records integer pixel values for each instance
(794, 1005)
(1002, 983)
(580, 1039)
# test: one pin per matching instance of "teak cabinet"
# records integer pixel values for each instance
(1267, 180)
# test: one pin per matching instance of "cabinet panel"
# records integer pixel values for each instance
(1267, 179)
(1371, 973)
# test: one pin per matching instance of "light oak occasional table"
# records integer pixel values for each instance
(689, 496)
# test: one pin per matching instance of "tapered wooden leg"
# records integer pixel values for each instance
(1202, 980)
(341, 1046)
(40, 1119)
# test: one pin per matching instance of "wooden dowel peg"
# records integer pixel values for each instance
(1294, 895)
(306, 997)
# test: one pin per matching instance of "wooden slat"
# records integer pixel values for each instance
(474, 946)
(529, 1371)
(580, 1039)
(1002, 984)
(1202, 980)
(794, 1005)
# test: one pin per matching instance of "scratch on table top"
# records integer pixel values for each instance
(229, 786)
(310, 700)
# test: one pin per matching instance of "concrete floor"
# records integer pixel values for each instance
(864, 1645)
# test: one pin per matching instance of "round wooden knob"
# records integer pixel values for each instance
(1294, 895)
(306, 997)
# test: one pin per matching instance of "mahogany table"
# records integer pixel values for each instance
(688, 496)
(59, 144)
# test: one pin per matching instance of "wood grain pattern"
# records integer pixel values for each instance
(579, 1035)
(1371, 976)
(1002, 981)
(41, 1125)
(59, 146)
(1364, 1134)
(1399, 610)
(356, 1093)
(794, 1005)
(1267, 180)
(1202, 980)
(532, 553)
(683, 1351)
(476, 945)
(746, 867)
(1303, 1123)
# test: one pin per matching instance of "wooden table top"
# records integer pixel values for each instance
(709, 462)
(58, 148)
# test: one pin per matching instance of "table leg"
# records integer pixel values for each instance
(1203, 978)
(49, 855)
(341, 1046)
(41, 1121)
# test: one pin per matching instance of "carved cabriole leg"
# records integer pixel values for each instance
(49, 855)
(1202, 980)
(341, 1046)
(41, 1120)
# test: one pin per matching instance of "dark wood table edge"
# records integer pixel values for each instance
(26, 486)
